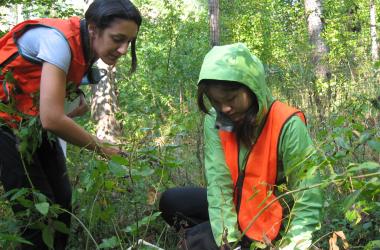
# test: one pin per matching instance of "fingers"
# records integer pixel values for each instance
(83, 107)
(79, 111)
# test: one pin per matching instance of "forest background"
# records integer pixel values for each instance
(319, 56)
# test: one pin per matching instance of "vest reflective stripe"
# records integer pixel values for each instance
(260, 173)
(25, 89)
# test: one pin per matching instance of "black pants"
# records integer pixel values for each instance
(48, 174)
(187, 208)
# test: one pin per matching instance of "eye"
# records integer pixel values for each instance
(230, 99)
(214, 103)
(119, 39)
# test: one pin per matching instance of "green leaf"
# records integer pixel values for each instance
(48, 236)
(342, 143)
(375, 145)
(369, 166)
(40, 196)
(109, 184)
(6, 108)
(110, 242)
(117, 169)
(144, 172)
(19, 193)
(258, 245)
(367, 225)
(339, 121)
(119, 159)
(144, 221)
(60, 227)
(38, 225)
(14, 238)
(340, 154)
(372, 245)
(353, 216)
(364, 137)
(377, 64)
(350, 199)
(43, 207)
(25, 202)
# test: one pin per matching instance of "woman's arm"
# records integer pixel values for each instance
(301, 166)
(52, 115)
(219, 186)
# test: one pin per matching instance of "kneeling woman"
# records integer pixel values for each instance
(253, 143)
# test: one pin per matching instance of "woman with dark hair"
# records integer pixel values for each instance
(42, 63)
(253, 144)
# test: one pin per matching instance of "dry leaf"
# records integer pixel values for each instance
(343, 237)
(356, 133)
(151, 196)
(332, 242)
(334, 238)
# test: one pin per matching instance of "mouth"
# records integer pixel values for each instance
(113, 57)
(236, 117)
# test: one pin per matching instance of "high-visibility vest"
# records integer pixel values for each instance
(20, 77)
(254, 184)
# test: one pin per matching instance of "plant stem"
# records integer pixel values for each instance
(81, 223)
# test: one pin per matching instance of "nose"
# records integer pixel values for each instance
(225, 108)
(123, 48)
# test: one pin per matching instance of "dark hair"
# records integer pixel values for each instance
(247, 130)
(102, 13)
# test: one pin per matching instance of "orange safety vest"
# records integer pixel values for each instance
(23, 90)
(254, 184)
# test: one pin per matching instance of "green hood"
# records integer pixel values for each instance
(235, 63)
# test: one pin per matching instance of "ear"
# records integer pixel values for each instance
(91, 29)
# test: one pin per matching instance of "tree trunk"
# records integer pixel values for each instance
(214, 22)
(375, 46)
(313, 10)
(104, 106)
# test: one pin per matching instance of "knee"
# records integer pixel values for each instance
(168, 205)
(166, 201)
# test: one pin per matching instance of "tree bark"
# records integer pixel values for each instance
(313, 9)
(104, 106)
(214, 22)
(374, 44)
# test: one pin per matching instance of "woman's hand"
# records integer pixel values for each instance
(81, 109)
(109, 151)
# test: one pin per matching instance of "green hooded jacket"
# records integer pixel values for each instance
(236, 64)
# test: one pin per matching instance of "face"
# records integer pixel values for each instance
(233, 103)
(113, 42)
